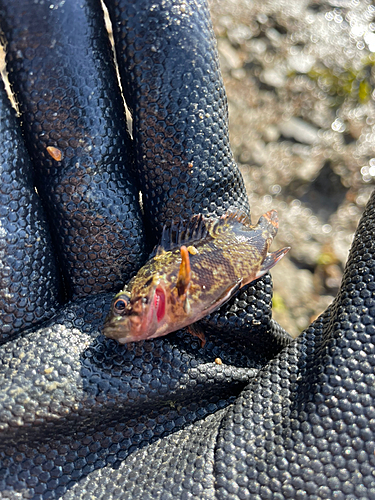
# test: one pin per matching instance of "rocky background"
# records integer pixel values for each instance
(299, 76)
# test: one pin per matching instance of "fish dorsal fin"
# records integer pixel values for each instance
(227, 222)
(182, 232)
(237, 216)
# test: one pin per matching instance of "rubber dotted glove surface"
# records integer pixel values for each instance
(80, 415)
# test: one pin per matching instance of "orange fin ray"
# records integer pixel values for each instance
(180, 232)
(184, 274)
(271, 260)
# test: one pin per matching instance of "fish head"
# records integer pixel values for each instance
(139, 314)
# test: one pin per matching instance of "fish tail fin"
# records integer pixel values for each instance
(271, 260)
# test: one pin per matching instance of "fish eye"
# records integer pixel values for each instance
(120, 305)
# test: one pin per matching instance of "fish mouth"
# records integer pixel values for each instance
(118, 328)
(139, 323)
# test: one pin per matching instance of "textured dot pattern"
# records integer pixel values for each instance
(173, 85)
(246, 320)
(95, 402)
(29, 288)
(306, 424)
(61, 69)
(79, 368)
(189, 453)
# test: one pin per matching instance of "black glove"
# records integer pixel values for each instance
(81, 416)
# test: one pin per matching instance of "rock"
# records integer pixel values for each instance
(229, 58)
(300, 62)
(299, 130)
(274, 77)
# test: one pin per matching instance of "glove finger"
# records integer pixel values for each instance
(60, 66)
(29, 283)
(172, 83)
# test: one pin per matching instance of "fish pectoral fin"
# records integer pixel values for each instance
(271, 260)
(225, 296)
(197, 331)
(184, 273)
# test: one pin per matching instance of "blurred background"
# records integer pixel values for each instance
(299, 76)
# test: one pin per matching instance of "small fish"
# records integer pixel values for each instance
(198, 266)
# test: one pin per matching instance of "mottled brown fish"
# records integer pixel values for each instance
(198, 266)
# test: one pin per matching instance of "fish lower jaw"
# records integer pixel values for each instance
(124, 340)
(116, 335)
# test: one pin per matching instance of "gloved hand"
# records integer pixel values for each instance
(81, 416)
